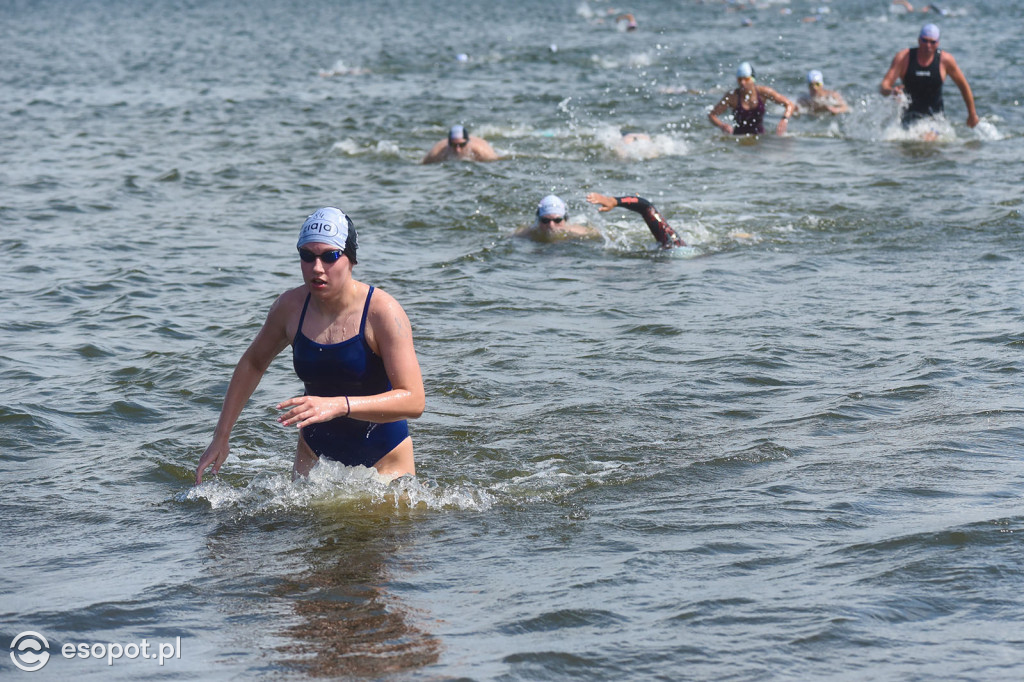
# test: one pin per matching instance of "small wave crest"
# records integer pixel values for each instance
(341, 69)
(350, 147)
(931, 129)
(331, 485)
(639, 146)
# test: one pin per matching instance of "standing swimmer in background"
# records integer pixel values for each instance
(658, 226)
(552, 223)
(748, 106)
(352, 347)
(818, 100)
(923, 69)
(461, 147)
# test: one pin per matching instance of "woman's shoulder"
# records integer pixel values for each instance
(292, 297)
(288, 303)
(381, 301)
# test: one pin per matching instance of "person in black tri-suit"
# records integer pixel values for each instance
(922, 70)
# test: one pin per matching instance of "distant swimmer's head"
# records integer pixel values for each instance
(328, 226)
(929, 34)
(815, 79)
(458, 137)
(551, 211)
(744, 71)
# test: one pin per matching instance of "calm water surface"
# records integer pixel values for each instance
(790, 452)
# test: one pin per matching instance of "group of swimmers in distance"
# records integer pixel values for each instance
(352, 344)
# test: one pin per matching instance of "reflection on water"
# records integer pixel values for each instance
(350, 625)
(720, 461)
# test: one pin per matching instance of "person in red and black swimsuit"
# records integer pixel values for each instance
(661, 230)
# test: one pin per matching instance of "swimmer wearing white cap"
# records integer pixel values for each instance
(747, 102)
(358, 396)
(552, 223)
(922, 71)
(459, 146)
(818, 100)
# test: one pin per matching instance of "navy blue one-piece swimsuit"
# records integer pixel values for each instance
(349, 368)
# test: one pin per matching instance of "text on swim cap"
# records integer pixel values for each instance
(320, 228)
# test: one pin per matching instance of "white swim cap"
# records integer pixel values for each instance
(551, 205)
(330, 226)
(929, 31)
(814, 76)
(745, 70)
(458, 132)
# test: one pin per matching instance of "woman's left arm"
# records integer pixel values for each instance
(784, 101)
(391, 333)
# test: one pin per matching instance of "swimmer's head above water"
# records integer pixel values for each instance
(458, 137)
(329, 226)
(745, 70)
(551, 211)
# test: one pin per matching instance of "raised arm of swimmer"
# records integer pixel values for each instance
(661, 230)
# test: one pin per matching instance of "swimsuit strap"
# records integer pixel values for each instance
(303, 315)
(366, 310)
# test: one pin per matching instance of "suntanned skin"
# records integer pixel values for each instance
(926, 50)
(748, 91)
(818, 100)
(335, 308)
(546, 229)
(461, 149)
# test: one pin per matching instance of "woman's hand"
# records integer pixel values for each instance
(215, 454)
(312, 409)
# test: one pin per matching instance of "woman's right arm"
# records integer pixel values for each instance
(271, 340)
(721, 108)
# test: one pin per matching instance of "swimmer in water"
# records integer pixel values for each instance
(628, 20)
(927, 8)
(552, 223)
(658, 226)
(461, 147)
(631, 137)
(352, 347)
(818, 100)
(747, 102)
(922, 70)
(635, 144)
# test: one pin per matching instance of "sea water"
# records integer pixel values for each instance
(791, 452)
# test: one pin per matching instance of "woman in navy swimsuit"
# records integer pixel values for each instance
(352, 347)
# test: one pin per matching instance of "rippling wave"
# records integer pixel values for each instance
(790, 450)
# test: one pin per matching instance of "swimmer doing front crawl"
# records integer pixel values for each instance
(352, 347)
(661, 230)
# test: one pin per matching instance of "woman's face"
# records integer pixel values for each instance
(746, 84)
(324, 267)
